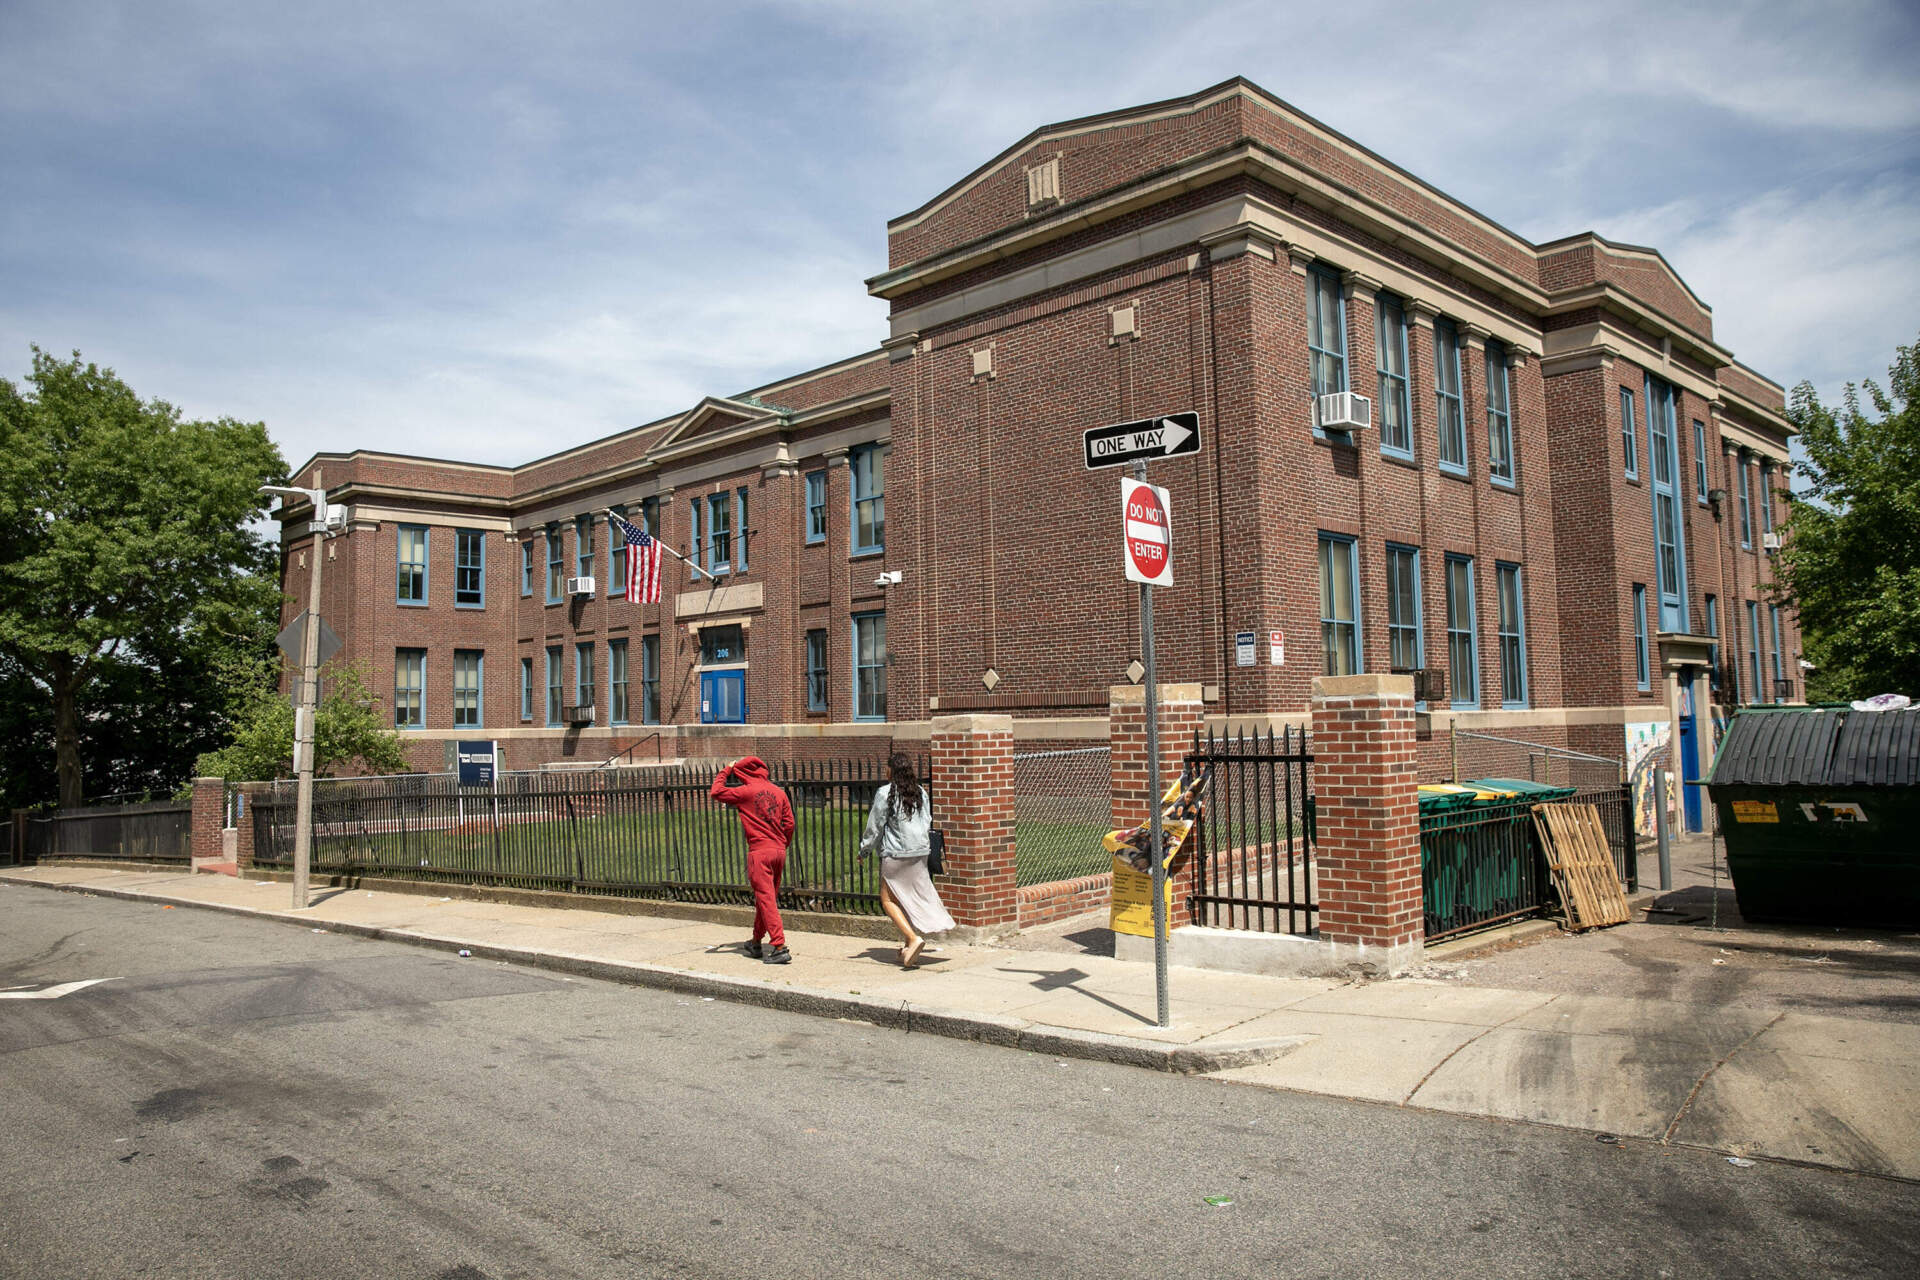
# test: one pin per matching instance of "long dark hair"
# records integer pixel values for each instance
(906, 787)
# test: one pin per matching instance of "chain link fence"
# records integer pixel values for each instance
(1482, 755)
(1062, 808)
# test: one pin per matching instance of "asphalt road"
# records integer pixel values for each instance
(249, 1099)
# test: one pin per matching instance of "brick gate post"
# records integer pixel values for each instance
(973, 806)
(1181, 714)
(208, 821)
(1367, 820)
(243, 834)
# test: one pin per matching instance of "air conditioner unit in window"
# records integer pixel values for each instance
(582, 714)
(1345, 411)
(1770, 541)
(1429, 683)
(579, 586)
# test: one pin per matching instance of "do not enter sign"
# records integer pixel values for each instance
(1148, 531)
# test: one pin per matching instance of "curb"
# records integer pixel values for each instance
(959, 1024)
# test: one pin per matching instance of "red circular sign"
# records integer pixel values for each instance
(1148, 534)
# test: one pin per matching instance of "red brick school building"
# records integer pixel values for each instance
(1428, 444)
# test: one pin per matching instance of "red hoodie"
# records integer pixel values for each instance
(765, 814)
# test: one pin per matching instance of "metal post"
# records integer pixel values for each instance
(1453, 750)
(1155, 837)
(1660, 828)
(303, 716)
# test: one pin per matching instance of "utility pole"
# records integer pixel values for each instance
(307, 698)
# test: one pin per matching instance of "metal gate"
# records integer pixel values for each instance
(1255, 846)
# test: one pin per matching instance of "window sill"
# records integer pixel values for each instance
(1456, 473)
(473, 607)
(1511, 486)
(867, 553)
(1406, 460)
(411, 604)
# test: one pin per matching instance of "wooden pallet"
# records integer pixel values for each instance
(1582, 864)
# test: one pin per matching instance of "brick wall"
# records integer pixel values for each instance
(973, 761)
(1367, 812)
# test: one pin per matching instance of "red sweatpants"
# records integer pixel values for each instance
(763, 873)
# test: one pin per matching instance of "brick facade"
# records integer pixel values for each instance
(1168, 270)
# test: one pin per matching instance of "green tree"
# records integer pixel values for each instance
(127, 568)
(348, 729)
(1851, 561)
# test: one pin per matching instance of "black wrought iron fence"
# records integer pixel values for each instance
(1254, 846)
(640, 832)
(156, 831)
(1062, 808)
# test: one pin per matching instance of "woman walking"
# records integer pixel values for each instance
(900, 827)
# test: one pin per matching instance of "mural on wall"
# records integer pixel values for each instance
(1648, 744)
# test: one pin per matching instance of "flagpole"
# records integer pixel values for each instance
(662, 544)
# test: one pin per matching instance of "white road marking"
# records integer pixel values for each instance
(55, 992)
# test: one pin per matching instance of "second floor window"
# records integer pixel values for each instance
(1642, 665)
(719, 531)
(1500, 460)
(1699, 462)
(1448, 414)
(869, 498)
(1326, 337)
(1629, 434)
(556, 566)
(1746, 503)
(1396, 411)
(583, 557)
(816, 506)
(410, 585)
(526, 567)
(469, 568)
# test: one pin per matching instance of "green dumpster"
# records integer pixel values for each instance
(1819, 809)
(1521, 788)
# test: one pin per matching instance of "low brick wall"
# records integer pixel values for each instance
(1063, 899)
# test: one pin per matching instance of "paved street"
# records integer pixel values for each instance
(248, 1099)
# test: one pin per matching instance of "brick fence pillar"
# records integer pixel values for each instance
(243, 835)
(1367, 820)
(1181, 714)
(209, 802)
(973, 806)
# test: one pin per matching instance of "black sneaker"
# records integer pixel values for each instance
(753, 949)
(779, 955)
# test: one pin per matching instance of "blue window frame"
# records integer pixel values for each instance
(1406, 648)
(1502, 466)
(650, 679)
(1669, 547)
(1766, 498)
(1463, 641)
(696, 546)
(469, 569)
(616, 681)
(1700, 462)
(1512, 631)
(556, 565)
(1746, 502)
(526, 688)
(740, 523)
(1779, 664)
(1642, 667)
(867, 465)
(553, 684)
(1629, 434)
(526, 566)
(616, 555)
(720, 531)
(816, 670)
(583, 675)
(723, 697)
(870, 666)
(816, 506)
(410, 564)
(1448, 414)
(1713, 629)
(1339, 605)
(1396, 407)
(466, 688)
(1753, 650)
(409, 688)
(583, 554)
(1326, 337)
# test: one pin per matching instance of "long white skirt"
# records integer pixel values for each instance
(913, 889)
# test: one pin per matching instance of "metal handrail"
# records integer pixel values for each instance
(659, 756)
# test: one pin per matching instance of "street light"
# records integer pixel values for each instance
(307, 701)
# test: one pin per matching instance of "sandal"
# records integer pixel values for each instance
(910, 953)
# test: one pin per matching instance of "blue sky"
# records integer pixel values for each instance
(489, 231)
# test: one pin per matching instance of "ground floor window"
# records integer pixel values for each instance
(1339, 614)
(816, 670)
(466, 688)
(650, 679)
(553, 684)
(1463, 649)
(583, 678)
(616, 682)
(1513, 636)
(870, 666)
(409, 688)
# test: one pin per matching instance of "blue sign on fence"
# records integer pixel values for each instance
(477, 763)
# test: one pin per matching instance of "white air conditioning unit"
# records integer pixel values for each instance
(1345, 411)
(1770, 541)
(579, 586)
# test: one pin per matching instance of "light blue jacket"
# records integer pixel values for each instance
(896, 834)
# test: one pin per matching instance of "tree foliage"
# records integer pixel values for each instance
(1851, 561)
(128, 570)
(347, 730)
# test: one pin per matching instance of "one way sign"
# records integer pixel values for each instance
(1167, 436)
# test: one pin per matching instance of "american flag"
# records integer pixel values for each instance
(643, 564)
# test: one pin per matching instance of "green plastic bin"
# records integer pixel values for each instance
(1820, 811)
(1522, 788)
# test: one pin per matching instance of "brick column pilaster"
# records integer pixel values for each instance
(1367, 819)
(973, 805)
(209, 799)
(1181, 713)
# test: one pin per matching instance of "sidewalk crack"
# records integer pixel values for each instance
(1706, 1075)
(1485, 1032)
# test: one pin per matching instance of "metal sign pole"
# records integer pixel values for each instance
(308, 708)
(1155, 837)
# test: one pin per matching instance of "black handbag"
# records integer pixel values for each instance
(936, 852)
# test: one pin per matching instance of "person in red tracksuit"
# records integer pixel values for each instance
(766, 816)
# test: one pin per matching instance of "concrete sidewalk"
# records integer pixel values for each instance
(1832, 1091)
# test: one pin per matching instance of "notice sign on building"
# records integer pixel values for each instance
(1148, 533)
(1243, 655)
(1277, 648)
